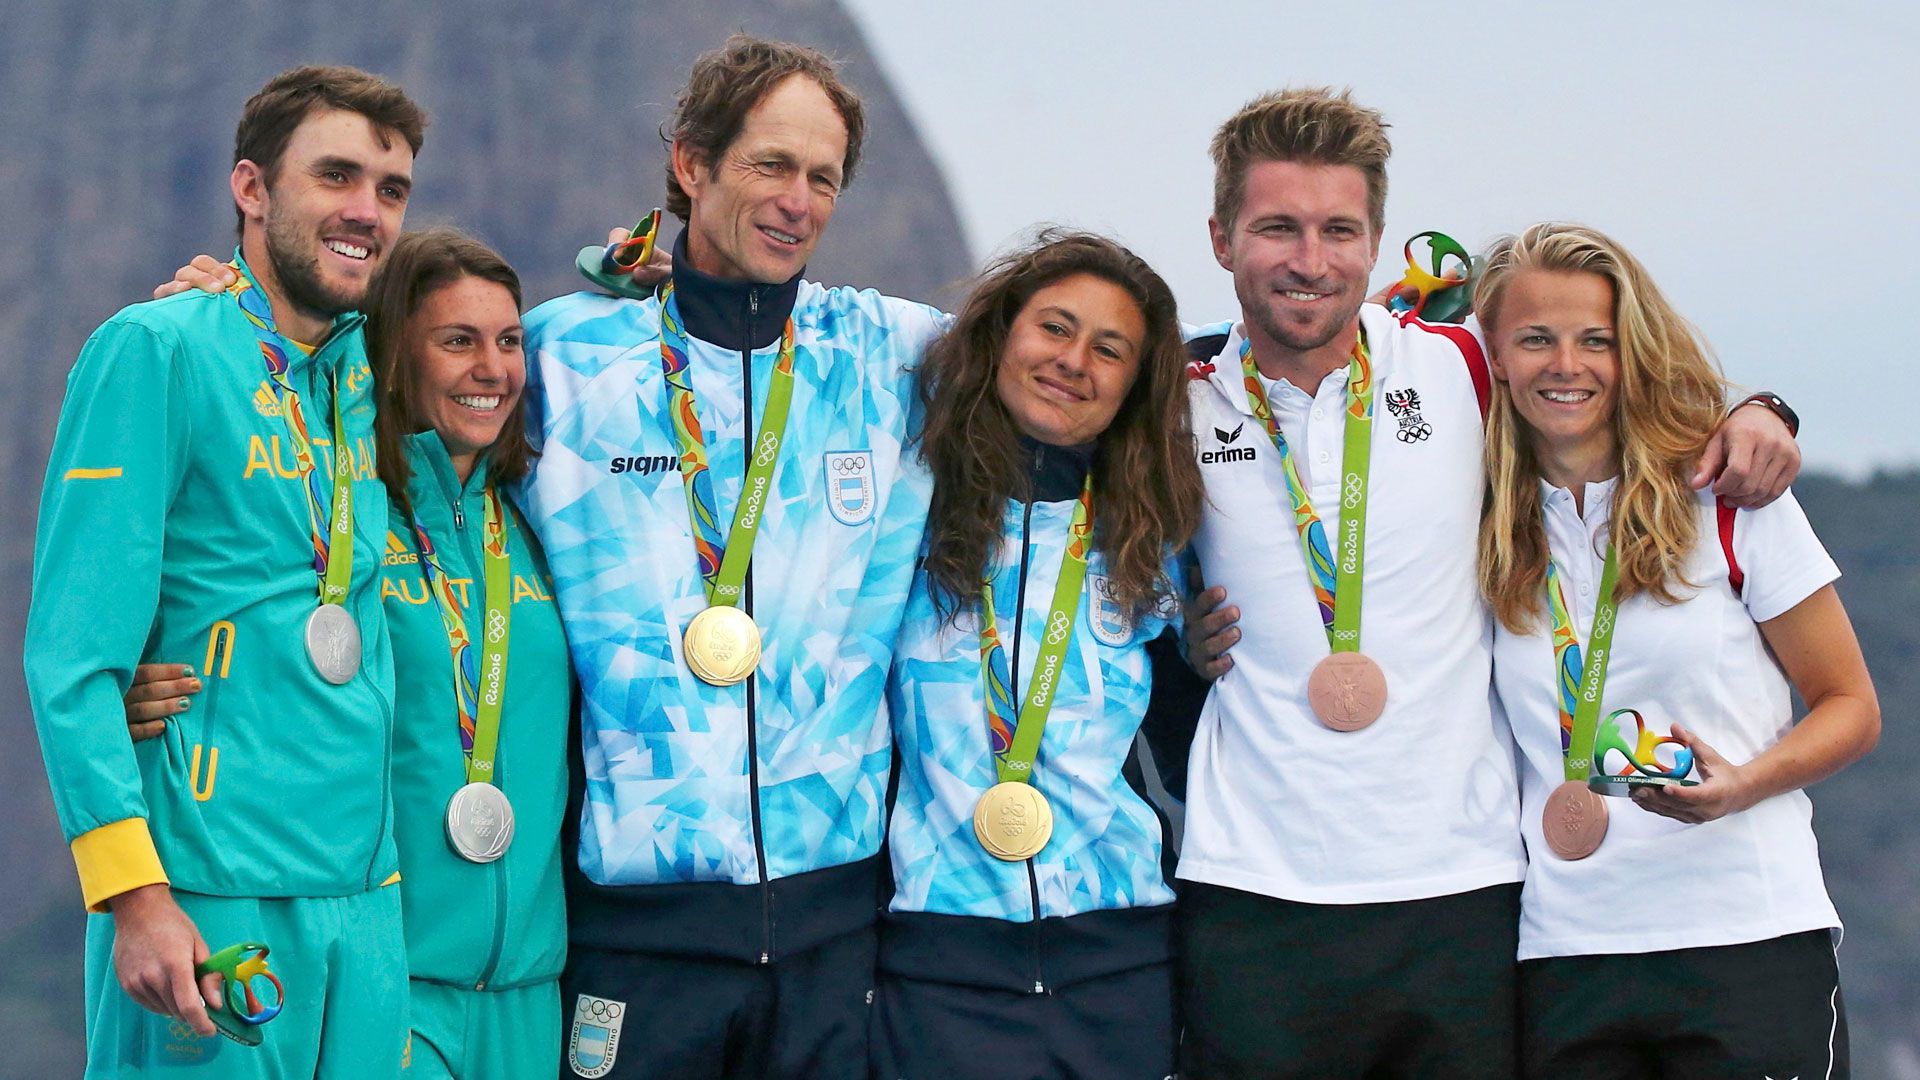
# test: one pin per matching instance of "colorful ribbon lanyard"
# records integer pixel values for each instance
(724, 574)
(332, 544)
(477, 695)
(1335, 587)
(1014, 748)
(1580, 685)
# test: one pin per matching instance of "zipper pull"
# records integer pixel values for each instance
(1039, 987)
(765, 959)
(753, 301)
(459, 519)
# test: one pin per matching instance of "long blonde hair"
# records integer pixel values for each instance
(1671, 397)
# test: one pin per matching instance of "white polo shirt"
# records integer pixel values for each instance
(1424, 802)
(1656, 883)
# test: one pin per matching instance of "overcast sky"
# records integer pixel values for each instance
(1759, 157)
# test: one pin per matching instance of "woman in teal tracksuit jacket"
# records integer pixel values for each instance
(485, 940)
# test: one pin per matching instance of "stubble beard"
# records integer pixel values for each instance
(298, 272)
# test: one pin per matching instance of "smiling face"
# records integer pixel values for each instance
(463, 346)
(1556, 348)
(1071, 356)
(332, 209)
(1300, 250)
(759, 208)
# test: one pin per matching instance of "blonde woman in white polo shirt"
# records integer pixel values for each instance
(1686, 931)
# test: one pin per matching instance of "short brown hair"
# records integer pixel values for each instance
(728, 82)
(420, 263)
(1312, 125)
(270, 117)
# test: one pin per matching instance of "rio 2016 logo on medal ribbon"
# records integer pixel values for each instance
(850, 486)
(1621, 764)
(595, 1039)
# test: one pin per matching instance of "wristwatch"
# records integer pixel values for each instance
(1778, 406)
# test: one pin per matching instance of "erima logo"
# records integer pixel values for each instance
(1231, 453)
(646, 465)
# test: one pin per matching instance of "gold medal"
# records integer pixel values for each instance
(1012, 821)
(722, 645)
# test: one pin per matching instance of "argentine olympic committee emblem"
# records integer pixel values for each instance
(596, 1035)
(1111, 625)
(850, 486)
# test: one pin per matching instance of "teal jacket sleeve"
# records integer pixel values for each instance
(118, 459)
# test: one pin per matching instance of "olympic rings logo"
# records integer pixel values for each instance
(602, 1010)
(1412, 435)
(1356, 489)
(496, 625)
(1058, 628)
(769, 449)
(846, 466)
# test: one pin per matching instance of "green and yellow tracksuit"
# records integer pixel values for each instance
(485, 941)
(174, 524)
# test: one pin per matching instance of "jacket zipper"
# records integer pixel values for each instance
(753, 742)
(1013, 673)
(497, 869)
(322, 357)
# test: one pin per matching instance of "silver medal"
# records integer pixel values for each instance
(333, 643)
(479, 822)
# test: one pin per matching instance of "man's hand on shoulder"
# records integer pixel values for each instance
(205, 273)
(1751, 458)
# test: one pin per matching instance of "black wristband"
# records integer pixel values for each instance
(1778, 406)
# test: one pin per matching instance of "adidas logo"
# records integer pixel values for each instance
(1231, 452)
(265, 401)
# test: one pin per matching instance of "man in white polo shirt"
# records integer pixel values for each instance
(1352, 853)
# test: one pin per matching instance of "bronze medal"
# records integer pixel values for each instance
(1347, 691)
(722, 645)
(1575, 820)
(1012, 821)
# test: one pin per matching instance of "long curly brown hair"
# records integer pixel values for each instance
(1146, 487)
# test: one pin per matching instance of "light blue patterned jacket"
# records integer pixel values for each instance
(786, 773)
(1105, 850)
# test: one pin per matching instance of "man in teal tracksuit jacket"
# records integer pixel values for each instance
(180, 517)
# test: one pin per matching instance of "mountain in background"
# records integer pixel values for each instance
(118, 116)
(117, 120)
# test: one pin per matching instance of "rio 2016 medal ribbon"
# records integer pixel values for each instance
(722, 649)
(250, 994)
(332, 638)
(479, 818)
(1575, 819)
(1347, 691)
(479, 822)
(1012, 820)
